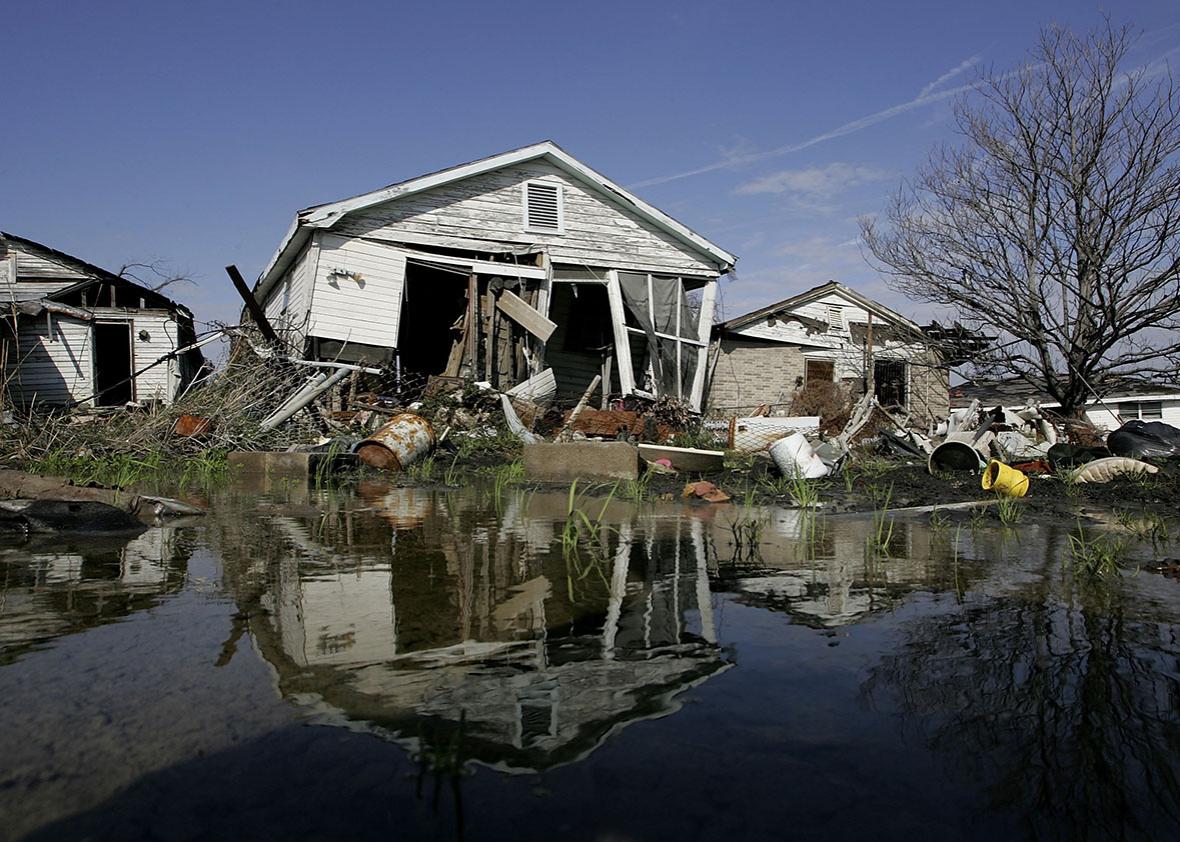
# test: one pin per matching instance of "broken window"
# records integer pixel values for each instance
(666, 312)
(889, 382)
(816, 371)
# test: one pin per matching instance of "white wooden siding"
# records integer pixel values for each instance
(159, 383)
(289, 301)
(362, 309)
(53, 369)
(597, 230)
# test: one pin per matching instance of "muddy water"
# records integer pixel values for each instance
(407, 663)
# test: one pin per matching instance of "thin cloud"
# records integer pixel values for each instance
(846, 129)
(822, 182)
(958, 69)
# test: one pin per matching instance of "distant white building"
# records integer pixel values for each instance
(72, 333)
(1144, 401)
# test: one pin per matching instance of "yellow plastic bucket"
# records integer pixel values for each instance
(1001, 479)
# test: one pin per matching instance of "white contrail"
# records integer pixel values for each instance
(961, 67)
(846, 129)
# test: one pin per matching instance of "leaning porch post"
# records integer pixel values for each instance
(614, 294)
(704, 331)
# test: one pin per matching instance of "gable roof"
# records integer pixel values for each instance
(326, 215)
(814, 293)
(95, 274)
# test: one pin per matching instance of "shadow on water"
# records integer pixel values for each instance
(463, 665)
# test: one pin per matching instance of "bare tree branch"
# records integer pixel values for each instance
(1056, 225)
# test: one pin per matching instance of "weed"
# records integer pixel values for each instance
(505, 476)
(882, 534)
(1009, 509)
(1146, 527)
(1068, 479)
(939, 520)
(737, 461)
(422, 471)
(635, 490)
(451, 477)
(1095, 557)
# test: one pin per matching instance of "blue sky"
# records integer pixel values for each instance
(191, 132)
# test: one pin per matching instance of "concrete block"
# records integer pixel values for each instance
(581, 460)
(297, 466)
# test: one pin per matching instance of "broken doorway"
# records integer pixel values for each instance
(889, 382)
(113, 364)
(584, 339)
(434, 301)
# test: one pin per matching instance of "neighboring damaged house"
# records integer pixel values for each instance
(1127, 401)
(823, 335)
(73, 333)
(496, 270)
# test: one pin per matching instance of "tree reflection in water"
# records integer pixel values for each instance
(1060, 699)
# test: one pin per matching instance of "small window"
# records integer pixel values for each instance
(543, 207)
(1143, 410)
(819, 371)
(835, 318)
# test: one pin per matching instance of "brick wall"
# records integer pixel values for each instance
(750, 373)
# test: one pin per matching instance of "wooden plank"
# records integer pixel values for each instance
(538, 388)
(515, 308)
(471, 329)
(268, 332)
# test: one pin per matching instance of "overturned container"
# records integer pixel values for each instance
(961, 452)
(401, 442)
(795, 458)
(1004, 479)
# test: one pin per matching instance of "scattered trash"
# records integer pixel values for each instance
(1004, 479)
(1139, 439)
(1065, 456)
(749, 435)
(684, 458)
(795, 458)
(1106, 469)
(401, 442)
(705, 490)
(961, 451)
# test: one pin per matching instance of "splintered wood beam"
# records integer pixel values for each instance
(256, 313)
(517, 309)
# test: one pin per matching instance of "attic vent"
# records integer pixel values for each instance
(835, 318)
(542, 206)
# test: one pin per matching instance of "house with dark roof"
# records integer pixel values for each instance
(499, 270)
(72, 333)
(1126, 400)
(828, 334)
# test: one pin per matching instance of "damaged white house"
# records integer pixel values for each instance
(829, 334)
(498, 270)
(73, 333)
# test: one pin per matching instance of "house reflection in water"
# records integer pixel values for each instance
(56, 586)
(413, 610)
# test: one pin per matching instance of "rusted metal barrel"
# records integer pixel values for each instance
(401, 442)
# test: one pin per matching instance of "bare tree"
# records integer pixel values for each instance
(1056, 225)
(155, 275)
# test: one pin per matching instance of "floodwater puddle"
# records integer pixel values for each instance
(504, 664)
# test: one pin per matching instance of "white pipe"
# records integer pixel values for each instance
(301, 400)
